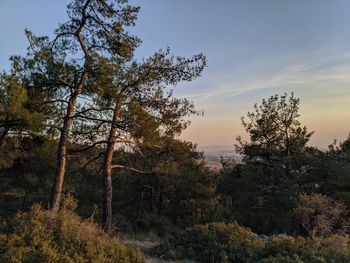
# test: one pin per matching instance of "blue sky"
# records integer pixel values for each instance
(254, 48)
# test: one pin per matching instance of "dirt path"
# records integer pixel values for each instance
(144, 245)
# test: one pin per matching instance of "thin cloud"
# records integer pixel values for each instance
(316, 72)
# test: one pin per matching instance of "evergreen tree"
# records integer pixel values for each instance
(134, 106)
(64, 66)
(274, 163)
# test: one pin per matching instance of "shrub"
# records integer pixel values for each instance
(321, 216)
(284, 248)
(219, 242)
(214, 242)
(40, 236)
(335, 248)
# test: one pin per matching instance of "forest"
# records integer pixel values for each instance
(91, 162)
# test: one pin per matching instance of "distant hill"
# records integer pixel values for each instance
(213, 148)
(213, 154)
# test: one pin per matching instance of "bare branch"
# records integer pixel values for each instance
(129, 168)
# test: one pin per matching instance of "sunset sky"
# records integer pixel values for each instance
(254, 48)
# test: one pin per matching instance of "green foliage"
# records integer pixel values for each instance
(219, 242)
(17, 117)
(277, 141)
(15, 108)
(86, 85)
(180, 184)
(214, 242)
(287, 247)
(277, 166)
(329, 172)
(28, 179)
(143, 126)
(274, 165)
(276, 134)
(40, 236)
(176, 187)
(332, 249)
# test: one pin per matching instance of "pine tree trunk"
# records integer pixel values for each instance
(107, 174)
(56, 190)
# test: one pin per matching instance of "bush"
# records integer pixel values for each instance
(321, 216)
(40, 236)
(283, 248)
(214, 242)
(219, 242)
(331, 249)
(335, 248)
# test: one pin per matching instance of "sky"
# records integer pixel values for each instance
(254, 48)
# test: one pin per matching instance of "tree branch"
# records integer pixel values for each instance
(87, 148)
(129, 168)
(91, 161)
